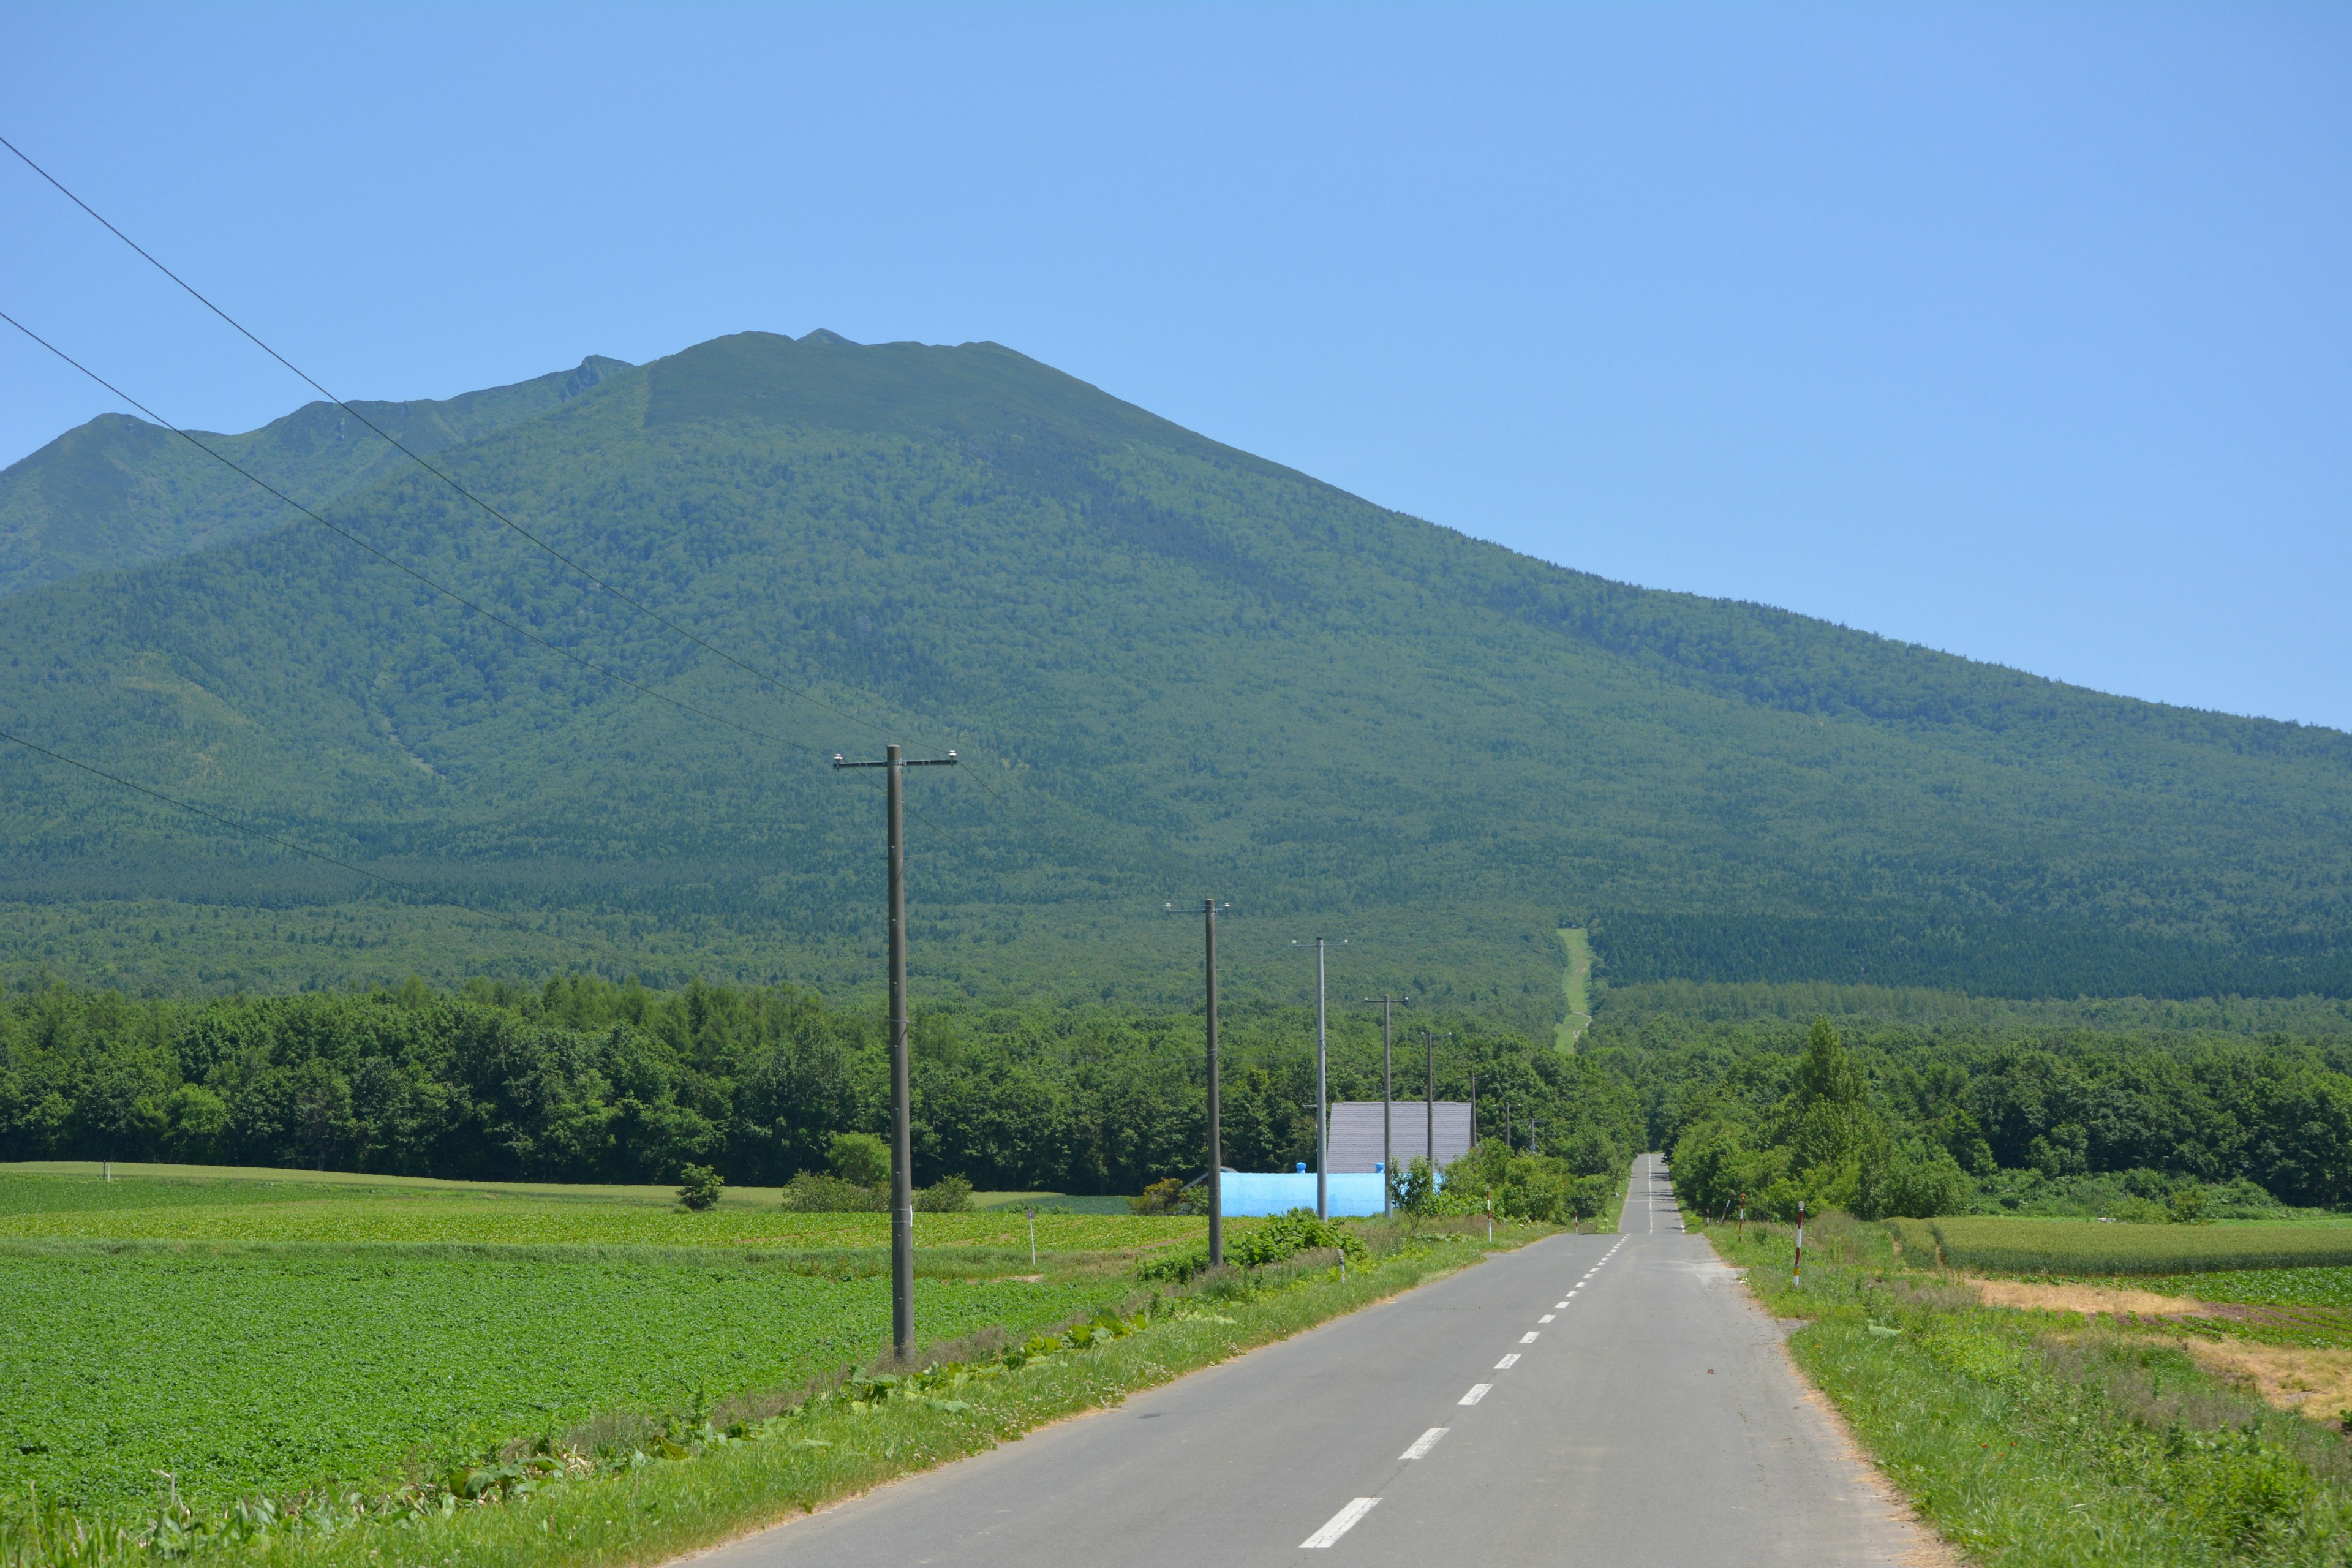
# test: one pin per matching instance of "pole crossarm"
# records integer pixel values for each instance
(950, 760)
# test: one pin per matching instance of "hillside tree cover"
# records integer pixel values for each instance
(1172, 668)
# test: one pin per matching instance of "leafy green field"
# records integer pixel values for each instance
(2081, 1246)
(519, 1222)
(250, 1336)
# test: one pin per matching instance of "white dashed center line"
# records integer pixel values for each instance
(1505, 1365)
(1528, 1338)
(1423, 1444)
(1547, 1318)
(1560, 1306)
(1339, 1524)
(1477, 1392)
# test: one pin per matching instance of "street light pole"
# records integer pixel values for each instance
(902, 1135)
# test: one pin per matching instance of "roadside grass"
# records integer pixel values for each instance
(2044, 1438)
(2065, 1246)
(783, 1455)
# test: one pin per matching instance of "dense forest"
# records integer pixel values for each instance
(1172, 669)
(2143, 1109)
(1883, 1117)
(581, 1080)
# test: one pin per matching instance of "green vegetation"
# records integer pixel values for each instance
(566, 1404)
(1151, 652)
(583, 1081)
(246, 1371)
(1994, 1112)
(118, 492)
(2029, 1439)
(2077, 1246)
(1576, 986)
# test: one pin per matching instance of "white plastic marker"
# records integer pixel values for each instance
(1505, 1363)
(1477, 1392)
(1423, 1444)
(1547, 1318)
(1528, 1338)
(1338, 1525)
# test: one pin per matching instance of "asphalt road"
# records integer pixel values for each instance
(1591, 1399)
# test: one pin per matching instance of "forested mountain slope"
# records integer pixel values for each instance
(119, 492)
(1171, 667)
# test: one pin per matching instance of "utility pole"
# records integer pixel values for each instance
(1388, 1099)
(902, 1133)
(1216, 1098)
(1322, 1095)
(1322, 1100)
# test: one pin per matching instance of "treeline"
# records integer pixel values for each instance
(579, 1080)
(1882, 1117)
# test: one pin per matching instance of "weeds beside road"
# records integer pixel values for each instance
(2047, 1439)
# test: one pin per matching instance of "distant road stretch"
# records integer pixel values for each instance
(1614, 1401)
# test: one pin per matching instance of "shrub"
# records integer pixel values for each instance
(813, 1191)
(860, 1159)
(1287, 1234)
(949, 1194)
(699, 1187)
(1160, 1197)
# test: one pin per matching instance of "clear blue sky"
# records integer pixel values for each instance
(2021, 332)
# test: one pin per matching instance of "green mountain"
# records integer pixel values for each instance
(119, 492)
(1172, 668)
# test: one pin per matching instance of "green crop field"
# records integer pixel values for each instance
(2085, 1246)
(249, 1338)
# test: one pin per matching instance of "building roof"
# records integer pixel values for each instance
(1356, 1132)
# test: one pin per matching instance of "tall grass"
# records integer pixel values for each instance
(2031, 1441)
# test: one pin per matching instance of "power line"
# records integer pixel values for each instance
(397, 564)
(401, 566)
(593, 579)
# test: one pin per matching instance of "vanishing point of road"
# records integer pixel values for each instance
(1615, 1400)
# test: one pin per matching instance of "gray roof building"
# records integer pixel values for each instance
(1356, 1132)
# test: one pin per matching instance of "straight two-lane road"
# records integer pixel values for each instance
(1590, 1399)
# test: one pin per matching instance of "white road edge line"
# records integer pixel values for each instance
(1477, 1392)
(1341, 1523)
(1505, 1363)
(1421, 1446)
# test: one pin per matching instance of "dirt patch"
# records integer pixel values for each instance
(2086, 1299)
(2310, 1382)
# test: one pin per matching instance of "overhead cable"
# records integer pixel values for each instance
(597, 580)
(393, 562)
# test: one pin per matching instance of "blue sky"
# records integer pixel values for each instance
(2024, 332)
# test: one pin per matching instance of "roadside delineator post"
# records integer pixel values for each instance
(1797, 1272)
(1033, 1236)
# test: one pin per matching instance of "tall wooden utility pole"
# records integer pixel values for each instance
(902, 1132)
(1209, 908)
